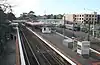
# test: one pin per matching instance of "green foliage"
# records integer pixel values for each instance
(11, 16)
(59, 16)
(31, 12)
(5, 29)
(28, 16)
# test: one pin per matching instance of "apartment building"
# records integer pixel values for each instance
(98, 19)
(81, 18)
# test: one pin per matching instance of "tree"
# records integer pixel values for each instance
(32, 15)
(55, 17)
(1, 15)
(31, 12)
(4, 27)
(11, 16)
(59, 16)
(50, 16)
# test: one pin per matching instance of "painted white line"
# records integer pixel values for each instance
(70, 38)
(20, 49)
(69, 60)
(94, 51)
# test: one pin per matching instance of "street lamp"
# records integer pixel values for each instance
(73, 43)
(73, 29)
(64, 27)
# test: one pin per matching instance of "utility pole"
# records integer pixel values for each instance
(93, 28)
(64, 27)
(73, 30)
(89, 31)
(93, 21)
(95, 13)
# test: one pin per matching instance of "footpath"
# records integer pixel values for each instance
(8, 56)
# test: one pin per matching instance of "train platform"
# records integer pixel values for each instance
(11, 54)
(8, 56)
(57, 40)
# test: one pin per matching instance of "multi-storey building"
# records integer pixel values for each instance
(80, 18)
(98, 19)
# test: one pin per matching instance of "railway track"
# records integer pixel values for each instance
(38, 51)
(30, 56)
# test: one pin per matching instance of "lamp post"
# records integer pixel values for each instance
(93, 29)
(73, 30)
(89, 32)
(73, 43)
(64, 27)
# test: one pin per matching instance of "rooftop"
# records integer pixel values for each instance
(82, 12)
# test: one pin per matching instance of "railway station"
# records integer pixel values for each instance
(50, 39)
(52, 47)
(40, 45)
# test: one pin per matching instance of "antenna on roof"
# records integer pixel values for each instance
(44, 12)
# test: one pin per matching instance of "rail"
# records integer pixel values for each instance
(51, 55)
(69, 60)
(38, 63)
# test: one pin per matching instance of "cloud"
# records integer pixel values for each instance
(24, 5)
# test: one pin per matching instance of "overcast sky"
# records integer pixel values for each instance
(41, 7)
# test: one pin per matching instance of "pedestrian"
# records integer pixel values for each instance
(15, 37)
(11, 36)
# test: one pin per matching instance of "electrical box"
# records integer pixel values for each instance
(67, 42)
(83, 47)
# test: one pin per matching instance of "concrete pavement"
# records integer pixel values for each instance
(81, 36)
(57, 41)
(8, 57)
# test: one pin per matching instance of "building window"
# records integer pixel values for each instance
(86, 15)
(92, 15)
(80, 18)
(44, 29)
(89, 18)
(95, 19)
(92, 18)
(89, 15)
(82, 15)
(79, 47)
(86, 18)
(95, 15)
